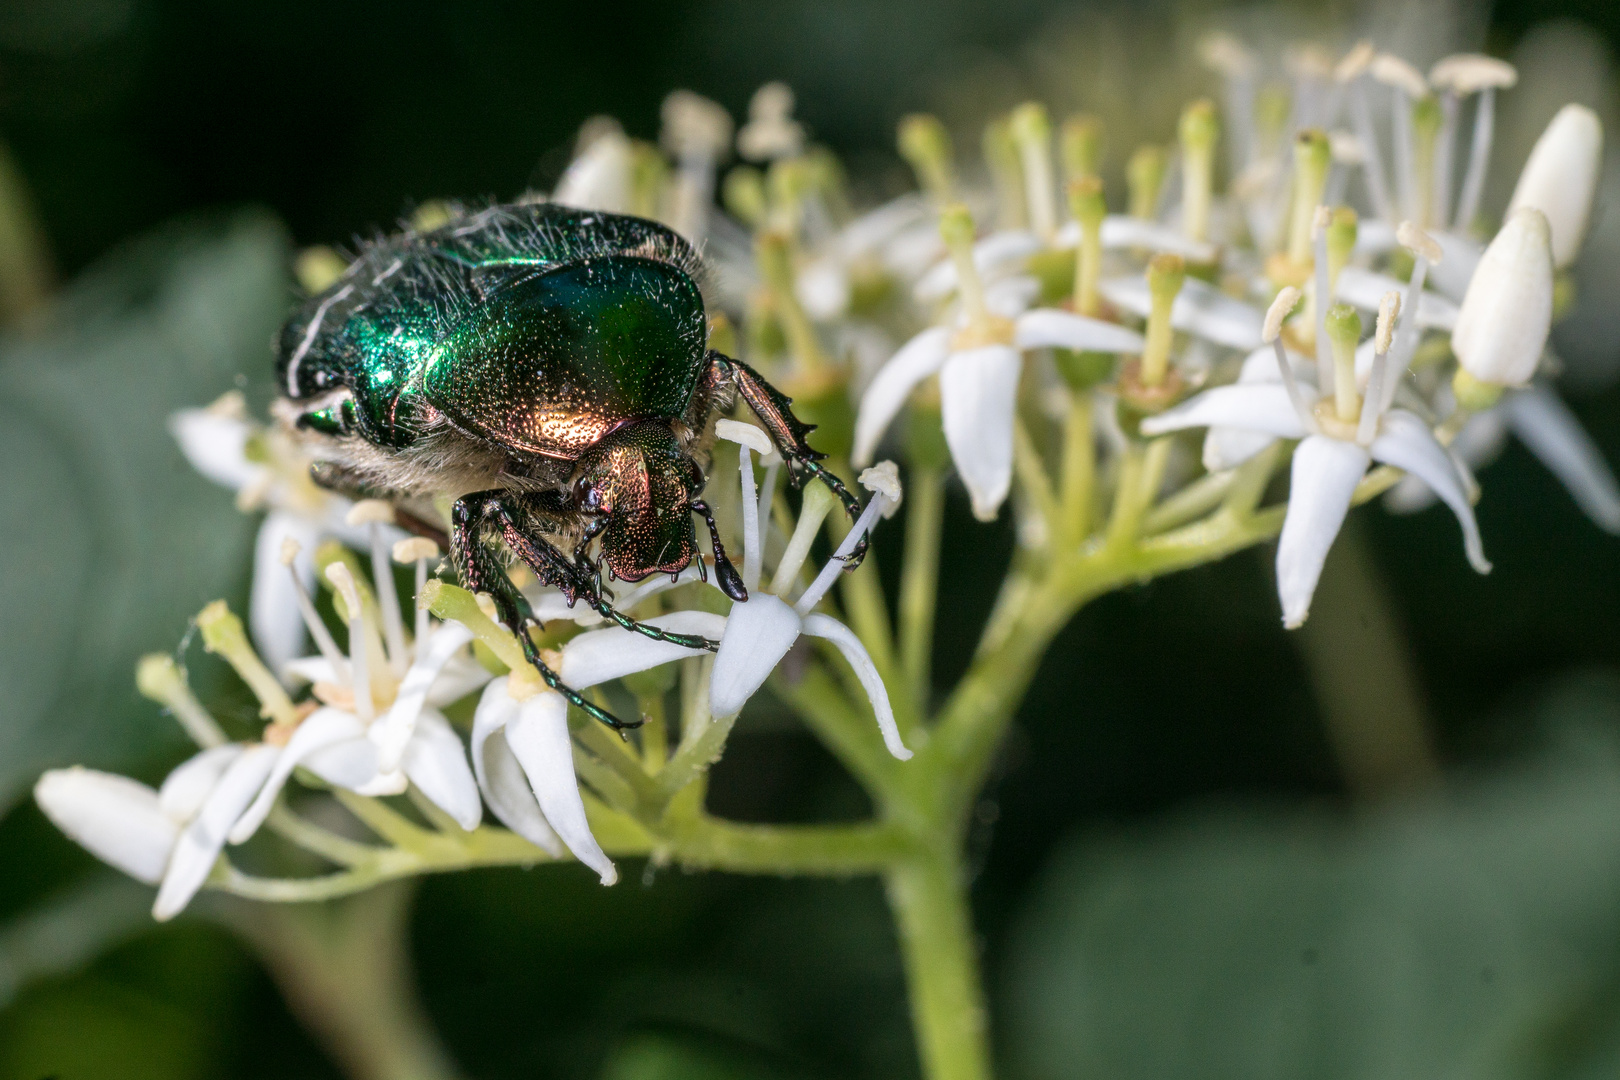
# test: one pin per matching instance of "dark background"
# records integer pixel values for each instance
(338, 117)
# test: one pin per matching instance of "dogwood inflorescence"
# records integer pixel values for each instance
(1142, 384)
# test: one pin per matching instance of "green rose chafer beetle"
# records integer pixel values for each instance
(548, 369)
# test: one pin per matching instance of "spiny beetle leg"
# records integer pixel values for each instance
(483, 573)
(788, 432)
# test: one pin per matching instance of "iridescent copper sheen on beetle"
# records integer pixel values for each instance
(548, 369)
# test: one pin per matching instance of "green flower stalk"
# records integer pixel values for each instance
(1080, 147)
(1001, 158)
(926, 146)
(1032, 132)
(1312, 159)
(1199, 131)
(1344, 334)
(1427, 119)
(1144, 176)
(1087, 206)
(1166, 274)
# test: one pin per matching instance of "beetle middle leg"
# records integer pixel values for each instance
(788, 432)
(577, 577)
(482, 572)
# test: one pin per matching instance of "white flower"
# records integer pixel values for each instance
(979, 359)
(1333, 454)
(265, 469)
(1560, 178)
(1200, 309)
(761, 630)
(771, 131)
(522, 753)
(600, 176)
(1504, 319)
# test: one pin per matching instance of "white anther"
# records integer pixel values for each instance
(413, 548)
(1391, 70)
(883, 480)
(1346, 148)
(746, 434)
(367, 511)
(289, 550)
(1226, 55)
(1418, 241)
(1280, 307)
(1389, 309)
(1469, 73)
(338, 574)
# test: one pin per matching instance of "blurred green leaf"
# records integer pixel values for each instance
(71, 930)
(111, 540)
(1475, 933)
(663, 1056)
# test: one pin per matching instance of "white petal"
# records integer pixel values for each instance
(216, 446)
(1200, 309)
(186, 788)
(825, 626)
(1544, 423)
(993, 254)
(310, 669)
(436, 762)
(1229, 447)
(350, 764)
(1477, 444)
(1560, 178)
(1259, 407)
(1009, 297)
(550, 606)
(1045, 327)
(1503, 322)
(538, 738)
(1120, 231)
(978, 398)
(601, 655)
(393, 730)
(758, 634)
(1406, 442)
(824, 290)
(1459, 258)
(273, 616)
(460, 676)
(320, 729)
(499, 775)
(1325, 474)
(380, 783)
(200, 842)
(116, 819)
(1365, 289)
(917, 359)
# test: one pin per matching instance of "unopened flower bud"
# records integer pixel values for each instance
(1560, 178)
(116, 819)
(1504, 318)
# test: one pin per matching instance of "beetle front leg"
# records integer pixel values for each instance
(577, 580)
(482, 572)
(788, 432)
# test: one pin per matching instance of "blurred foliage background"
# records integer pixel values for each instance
(1192, 865)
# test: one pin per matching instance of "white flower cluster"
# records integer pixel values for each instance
(372, 722)
(1365, 195)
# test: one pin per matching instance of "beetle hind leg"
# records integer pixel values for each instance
(482, 572)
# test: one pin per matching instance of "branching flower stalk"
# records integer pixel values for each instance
(1053, 361)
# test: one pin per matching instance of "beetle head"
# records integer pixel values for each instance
(644, 482)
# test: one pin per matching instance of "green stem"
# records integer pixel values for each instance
(1079, 472)
(344, 973)
(928, 894)
(919, 580)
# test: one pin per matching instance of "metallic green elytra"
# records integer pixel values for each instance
(548, 369)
